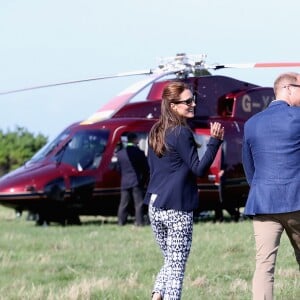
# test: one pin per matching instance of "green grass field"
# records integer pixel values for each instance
(99, 260)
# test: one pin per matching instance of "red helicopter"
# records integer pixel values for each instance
(75, 173)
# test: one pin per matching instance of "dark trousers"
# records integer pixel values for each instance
(135, 193)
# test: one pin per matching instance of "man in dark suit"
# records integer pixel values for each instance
(134, 170)
(271, 159)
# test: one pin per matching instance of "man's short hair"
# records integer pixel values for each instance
(131, 137)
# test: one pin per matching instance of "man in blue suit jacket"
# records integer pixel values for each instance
(271, 159)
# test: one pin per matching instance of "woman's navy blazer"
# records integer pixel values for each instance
(173, 177)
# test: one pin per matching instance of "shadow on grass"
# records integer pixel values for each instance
(203, 217)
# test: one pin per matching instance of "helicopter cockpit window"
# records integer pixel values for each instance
(44, 151)
(85, 149)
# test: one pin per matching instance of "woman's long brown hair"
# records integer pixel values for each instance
(168, 118)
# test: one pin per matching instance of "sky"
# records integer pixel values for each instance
(52, 41)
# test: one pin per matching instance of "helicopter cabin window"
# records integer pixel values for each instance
(225, 108)
(85, 149)
(142, 138)
(201, 141)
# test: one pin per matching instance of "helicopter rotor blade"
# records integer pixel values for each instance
(257, 65)
(124, 74)
(116, 103)
(181, 64)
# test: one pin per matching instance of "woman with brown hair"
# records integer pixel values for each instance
(172, 193)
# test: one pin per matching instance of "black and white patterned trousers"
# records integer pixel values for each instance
(173, 232)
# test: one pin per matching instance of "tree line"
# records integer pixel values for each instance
(17, 147)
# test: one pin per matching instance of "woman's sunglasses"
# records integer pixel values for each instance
(188, 102)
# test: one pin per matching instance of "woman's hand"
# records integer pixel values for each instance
(217, 130)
